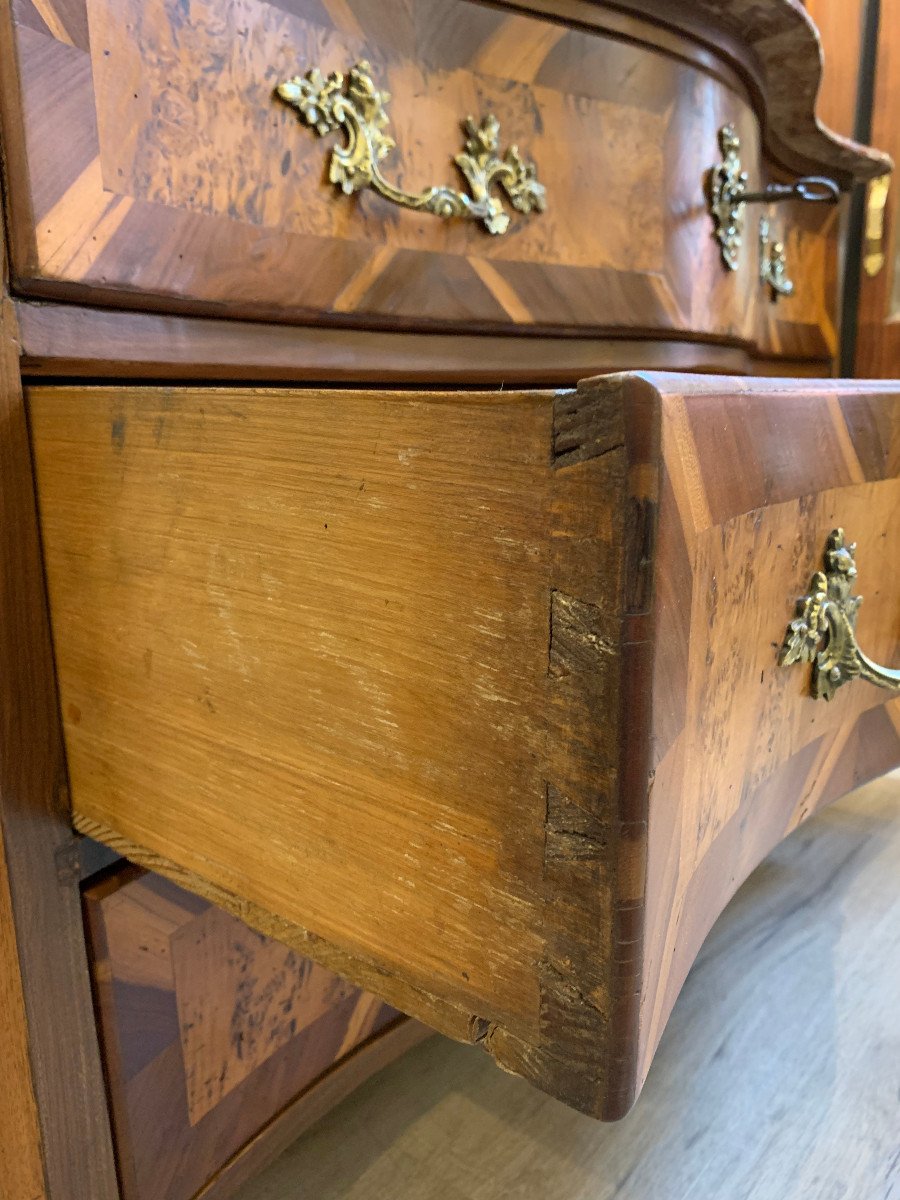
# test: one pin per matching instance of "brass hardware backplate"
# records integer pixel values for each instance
(726, 195)
(773, 262)
(824, 630)
(357, 107)
(726, 184)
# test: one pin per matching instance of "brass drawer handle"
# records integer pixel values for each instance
(824, 629)
(726, 194)
(326, 106)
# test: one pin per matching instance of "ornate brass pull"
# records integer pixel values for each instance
(773, 262)
(824, 629)
(726, 194)
(360, 111)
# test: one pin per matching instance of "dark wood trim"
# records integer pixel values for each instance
(876, 352)
(328, 1091)
(38, 842)
(81, 342)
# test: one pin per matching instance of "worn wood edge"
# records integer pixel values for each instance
(325, 1093)
(635, 727)
(640, 401)
(78, 341)
(454, 1021)
(595, 829)
(784, 99)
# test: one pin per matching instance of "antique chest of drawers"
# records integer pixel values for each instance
(430, 534)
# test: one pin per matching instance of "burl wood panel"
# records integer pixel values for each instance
(209, 1030)
(151, 165)
(471, 697)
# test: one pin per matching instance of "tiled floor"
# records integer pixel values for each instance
(778, 1077)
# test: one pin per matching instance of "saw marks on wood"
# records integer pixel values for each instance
(778, 1077)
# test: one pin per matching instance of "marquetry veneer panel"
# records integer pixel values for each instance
(152, 166)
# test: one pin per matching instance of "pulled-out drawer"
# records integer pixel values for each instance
(219, 1044)
(474, 698)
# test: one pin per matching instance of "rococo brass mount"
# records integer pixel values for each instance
(824, 629)
(359, 111)
(726, 194)
(773, 262)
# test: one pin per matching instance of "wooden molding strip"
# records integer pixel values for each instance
(75, 341)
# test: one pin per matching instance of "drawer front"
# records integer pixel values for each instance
(476, 698)
(208, 1030)
(153, 164)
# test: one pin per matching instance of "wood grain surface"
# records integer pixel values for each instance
(775, 1080)
(209, 1031)
(50, 1147)
(150, 166)
(471, 697)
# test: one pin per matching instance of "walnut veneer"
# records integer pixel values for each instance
(466, 691)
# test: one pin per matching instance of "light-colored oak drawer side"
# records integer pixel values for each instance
(474, 698)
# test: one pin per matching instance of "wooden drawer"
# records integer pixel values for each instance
(219, 1043)
(152, 165)
(474, 698)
